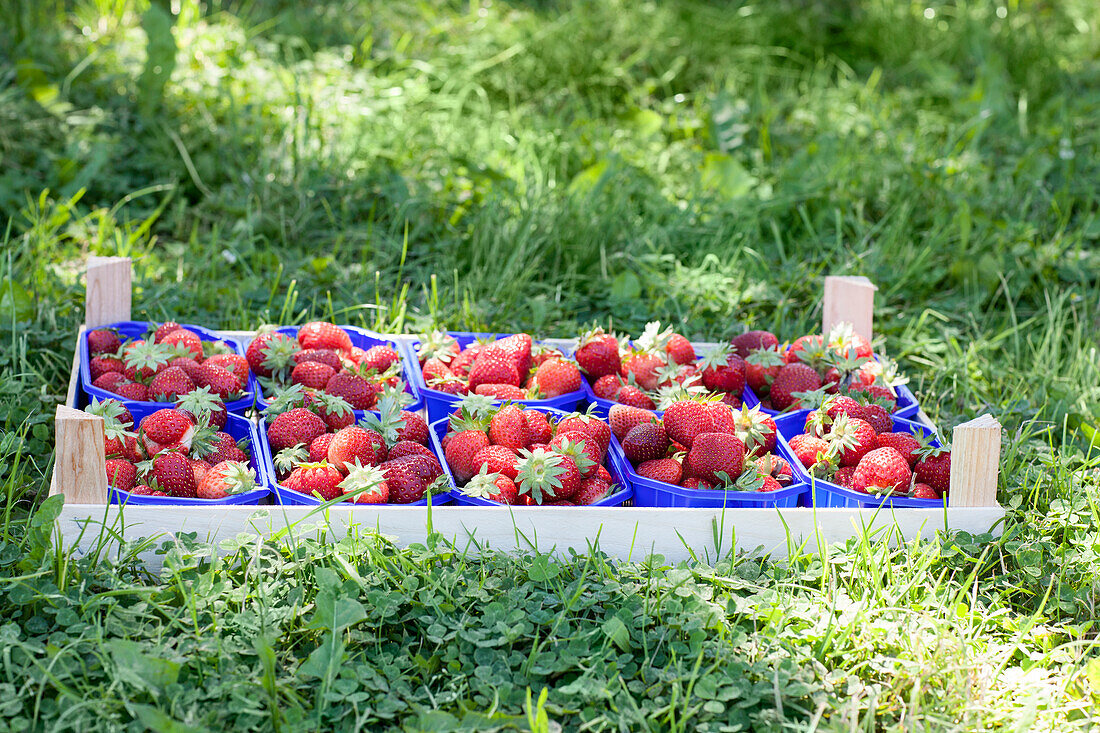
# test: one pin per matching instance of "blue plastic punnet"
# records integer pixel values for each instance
(129, 330)
(441, 404)
(439, 428)
(238, 427)
(827, 494)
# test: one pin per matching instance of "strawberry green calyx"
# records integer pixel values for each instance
(278, 356)
(288, 459)
(663, 397)
(200, 402)
(886, 372)
(238, 478)
(482, 485)
(149, 357)
(766, 357)
(437, 345)
(818, 423)
(111, 411)
(539, 473)
(202, 440)
(841, 436)
(926, 449)
(653, 339)
(334, 405)
(285, 399)
(575, 450)
(397, 392)
(752, 427)
(474, 413)
(811, 399)
(387, 422)
(716, 357)
(361, 478)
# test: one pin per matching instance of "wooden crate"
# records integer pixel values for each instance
(622, 532)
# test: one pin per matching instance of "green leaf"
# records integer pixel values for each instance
(16, 303)
(160, 57)
(725, 176)
(615, 630)
(140, 669)
(543, 569)
(325, 661)
(589, 179)
(157, 720)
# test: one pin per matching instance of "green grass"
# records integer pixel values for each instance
(539, 165)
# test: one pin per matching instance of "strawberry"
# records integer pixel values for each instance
(685, 419)
(501, 391)
(607, 387)
(463, 363)
(184, 341)
(232, 362)
(622, 418)
(809, 349)
(851, 439)
(546, 476)
(643, 366)
(508, 427)
(499, 460)
(164, 329)
(679, 349)
(146, 490)
(693, 482)
(270, 353)
(428, 469)
(312, 374)
(316, 479)
(538, 427)
(882, 470)
(413, 428)
(121, 474)
(751, 341)
(109, 381)
(646, 441)
(581, 447)
(878, 417)
(712, 454)
(904, 443)
(100, 365)
(723, 371)
(404, 448)
(218, 448)
(188, 365)
(770, 464)
(836, 405)
(174, 474)
(494, 366)
(355, 444)
(794, 377)
(321, 356)
(761, 368)
(668, 470)
(322, 335)
(518, 348)
(132, 391)
(556, 377)
(221, 381)
(597, 355)
(488, 484)
(924, 491)
(723, 416)
(380, 358)
(166, 428)
(843, 476)
(756, 430)
(434, 368)
(460, 451)
(294, 427)
(103, 341)
(589, 424)
(318, 449)
(357, 391)
(591, 490)
(604, 475)
(112, 411)
(365, 485)
(933, 467)
(143, 360)
(405, 485)
(225, 479)
(635, 397)
(843, 340)
(809, 449)
(169, 384)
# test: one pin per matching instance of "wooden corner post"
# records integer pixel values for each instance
(79, 464)
(107, 298)
(848, 300)
(975, 461)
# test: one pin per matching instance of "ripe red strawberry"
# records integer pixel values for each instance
(404, 448)
(318, 449)
(463, 362)
(751, 341)
(488, 484)
(880, 471)
(103, 341)
(508, 427)
(723, 371)
(607, 387)
(233, 363)
(321, 335)
(405, 484)
(225, 479)
(294, 427)
(770, 464)
(316, 478)
(635, 397)
(110, 381)
(169, 384)
(643, 365)
(174, 474)
(312, 374)
(460, 451)
(794, 377)
(668, 470)
(808, 448)
(692, 482)
(184, 339)
(556, 377)
(132, 391)
(428, 469)
(538, 427)
(365, 485)
(904, 443)
(924, 491)
(271, 351)
(221, 381)
(188, 365)
(547, 476)
(354, 443)
(591, 490)
(852, 437)
(121, 474)
(622, 418)
(685, 419)
(806, 349)
(380, 358)
(723, 416)
(836, 405)
(146, 490)
(100, 365)
(935, 470)
(321, 356)
(494, 366)
(359, 392)
(501, 391)
(163, 330)
(712, 454)
(597, 355)
(518, 348)
(221, 447)
(167, 428)
(590, 424)
(434, 368)
(878, 417)
(843, 476)
(761, 368)
(843, 340)
(499, 460)
(581, 447)
(645, 442)
(413, 428)
(679, 349)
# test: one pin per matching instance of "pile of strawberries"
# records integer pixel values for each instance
(856, 449)
(384, 459)
(171, 361)
(799, 375)
(658, 368)
(511, 368)
(511, 455)
(173, 452)
(702, 445)
(323, 361)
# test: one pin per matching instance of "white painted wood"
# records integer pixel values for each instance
(107, 294)
(975, 462)
(624, 533)
(848, 300)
